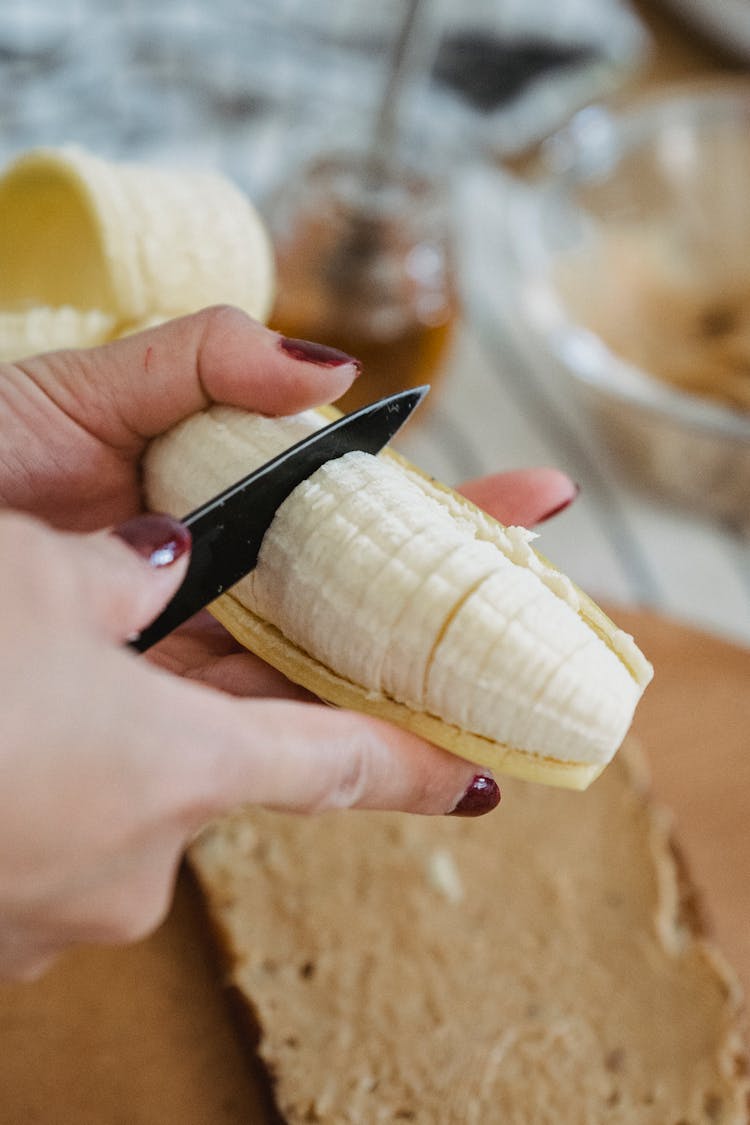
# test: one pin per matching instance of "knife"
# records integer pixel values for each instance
(227, 531)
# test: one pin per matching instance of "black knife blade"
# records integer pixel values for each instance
(227, 530)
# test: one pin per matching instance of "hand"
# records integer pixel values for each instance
(109, 763)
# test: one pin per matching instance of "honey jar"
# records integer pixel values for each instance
(365, 264)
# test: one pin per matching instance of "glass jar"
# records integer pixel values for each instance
(365, 265)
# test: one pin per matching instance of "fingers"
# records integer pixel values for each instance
(305, 757)
(132, 573)
(525, 496)
(113, 583)
(203, 650)
(143, 384)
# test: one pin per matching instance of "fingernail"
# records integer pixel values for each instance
(561, 506)
(482, 796)
(160, 539)
(321, 354)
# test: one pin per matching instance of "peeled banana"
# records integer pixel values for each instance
(379, 589)
(44, 329)
(94, 249)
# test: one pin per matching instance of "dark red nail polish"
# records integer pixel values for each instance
(482, 796)
(559, 507)
(160, 539)
(321, 354)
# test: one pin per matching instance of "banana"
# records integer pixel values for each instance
(44, 329)
(380, 589)
(120, 246)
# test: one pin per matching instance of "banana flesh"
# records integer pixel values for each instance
(43, 329)
(94, 249)
(379, 589)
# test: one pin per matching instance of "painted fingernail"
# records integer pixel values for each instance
(482, 796)
(561, 506)
(320, 354)
(159, 539)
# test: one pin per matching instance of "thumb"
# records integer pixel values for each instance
(127, 576)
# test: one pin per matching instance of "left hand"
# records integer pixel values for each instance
(74, 425)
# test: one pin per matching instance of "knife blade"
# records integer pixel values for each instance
(227, 530)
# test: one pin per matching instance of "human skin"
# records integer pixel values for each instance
(110, 762)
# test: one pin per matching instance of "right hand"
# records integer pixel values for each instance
(110, 764)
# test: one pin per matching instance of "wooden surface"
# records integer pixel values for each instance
(127, 1037)
(694, 720)
(140, 1035)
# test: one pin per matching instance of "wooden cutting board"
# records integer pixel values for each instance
(142, 1035)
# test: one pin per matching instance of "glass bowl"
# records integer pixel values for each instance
(630, 256)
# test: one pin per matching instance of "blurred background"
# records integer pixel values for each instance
(539, 206)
